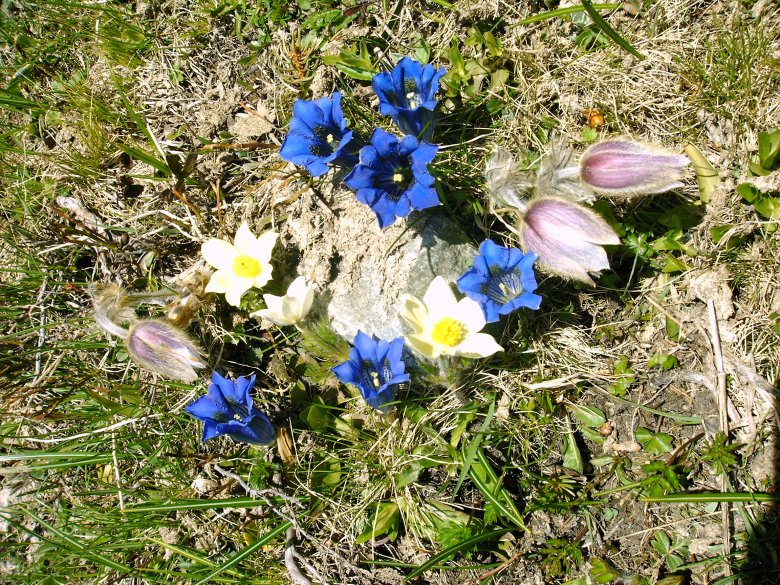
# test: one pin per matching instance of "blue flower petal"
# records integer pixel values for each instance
(368, 196)
(309, 113)
(242, 388)
(385, 143)
(347, 373)
(211, 429)
(385, 211)
(258, 429)
(366, 346)
(206, 408)
(422, 197)
(361, 177)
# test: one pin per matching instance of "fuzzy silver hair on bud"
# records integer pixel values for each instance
(567, 238)
(623, 168)
(507, 186)
(164, 349)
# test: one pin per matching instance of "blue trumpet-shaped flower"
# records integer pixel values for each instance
(392, 176)
(407, 95)
(501, 280)
(375, 367)
(318, 136)
(227, 409)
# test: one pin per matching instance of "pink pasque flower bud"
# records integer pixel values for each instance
(567, 238)
(623, 168)
(164, 349)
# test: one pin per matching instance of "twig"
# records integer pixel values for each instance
(724, 425)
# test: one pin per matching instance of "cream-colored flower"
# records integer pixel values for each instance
(444, 325)
(292, 307)
(241, 265)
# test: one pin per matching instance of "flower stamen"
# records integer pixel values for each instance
(448, 332)
(247, 267)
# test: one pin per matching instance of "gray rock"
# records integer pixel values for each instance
(362, 271)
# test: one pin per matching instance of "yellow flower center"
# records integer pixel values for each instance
(247, 267)
(329, 138)
(449, 332)
(398, 177)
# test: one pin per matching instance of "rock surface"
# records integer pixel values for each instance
(362, 271)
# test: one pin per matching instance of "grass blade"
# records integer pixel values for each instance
(455, 549)
(704, 497)
(83, 550)
(561, 12)
(180, 505)
(604, 26)
(242, 554)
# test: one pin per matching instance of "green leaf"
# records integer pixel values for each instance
(673, 264)
(560, 12)
(769, 207)
(748, 192)
(316, 416)
(385, 520)
(655, 443)
(589, 134)
(769, 149)
(589, 416)
(672, 329)
(667, 362)
(353, 63)
(602, 571)
(572, 458)
(706, 175)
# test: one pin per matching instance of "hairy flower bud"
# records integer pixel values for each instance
(164, 349)
(623, 168)
(567, 237)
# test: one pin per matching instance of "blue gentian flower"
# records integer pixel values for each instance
(375, 367)
(318, 136)
(227, 409)
(501, 280)
(392, 176)
(406, 94)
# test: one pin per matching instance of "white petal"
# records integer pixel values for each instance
(478, 345)
(298, 289)
(423, 346)
(239, 287)
(265, 275)
(221, 281)
(271, 316)
(414, 312)
(259, 248)
(245, 240)
(440, 300)
(470, 313)
(219, 253)
(274, 303)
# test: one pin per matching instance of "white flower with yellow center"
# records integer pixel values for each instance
(292, 307)
(444, 325)
(241, 265)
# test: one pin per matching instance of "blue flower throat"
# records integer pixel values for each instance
(397, 181)
(240, 411)
(503, 287)
(371, 377)
(411, 93)
(327, 141)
